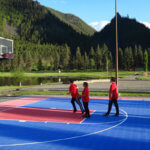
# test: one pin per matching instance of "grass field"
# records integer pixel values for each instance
(143, 78)
(72, 74)
(92, 93)
(105, 93)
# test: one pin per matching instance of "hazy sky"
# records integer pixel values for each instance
(101, 10)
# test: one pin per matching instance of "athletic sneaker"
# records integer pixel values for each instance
(74, 110)
(116, 115)
(88, 116)
(106, 114)
(83, 111)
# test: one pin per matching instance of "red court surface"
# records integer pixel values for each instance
(20, 102)
(10, 110)
(46, 115)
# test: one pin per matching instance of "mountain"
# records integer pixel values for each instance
(130, 33)
(29, 21)
(75, 22)
(98, 26)
(45, 39)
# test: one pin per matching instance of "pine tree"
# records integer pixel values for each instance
(131, 57)
(140, 56)
(20, 61)
(120, 59)
(40, 64)
(78, 58)
(148, 57)
(86, 61)
(2, 66)
(92, 64)
(145, 61)
(65, 56)
(92, 53)
(98, 56)
(29, 62)
(51, 63)
(128, 58)
(110, 60)
(14, 64)
(56, 57)
(104, 57)
(73, 64)
(135, 56)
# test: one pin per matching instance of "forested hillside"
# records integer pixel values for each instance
(29, 21)
(130, 33)
(77, 24)
(42, 39)
(46, 39)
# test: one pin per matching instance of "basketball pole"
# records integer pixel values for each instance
(116, 42)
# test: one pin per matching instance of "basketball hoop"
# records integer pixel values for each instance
(6, 48)
(7, 56)
(4, 55)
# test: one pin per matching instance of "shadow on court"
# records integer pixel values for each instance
(126, 137)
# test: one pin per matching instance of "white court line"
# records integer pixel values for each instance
(86, 118)
(70, 138)
(97, 122)
(132, 116)
(22, 120)
(64, 122)
(60, 122)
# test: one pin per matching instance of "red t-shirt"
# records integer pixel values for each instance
(85, 94)
(113, 92)
(73, 90)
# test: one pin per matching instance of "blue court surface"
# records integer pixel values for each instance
(129, 131)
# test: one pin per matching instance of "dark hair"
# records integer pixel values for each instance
(85, 84)
(70, 80)
(113, 79)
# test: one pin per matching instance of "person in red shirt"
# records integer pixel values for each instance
(73, 90)
(113, 97)
(85, 99)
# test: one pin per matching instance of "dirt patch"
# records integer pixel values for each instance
(11, 30)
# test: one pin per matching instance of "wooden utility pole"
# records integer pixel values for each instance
(116, 42)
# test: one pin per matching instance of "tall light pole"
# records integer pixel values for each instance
(116, 42)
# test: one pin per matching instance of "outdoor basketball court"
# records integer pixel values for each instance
(48, 123)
